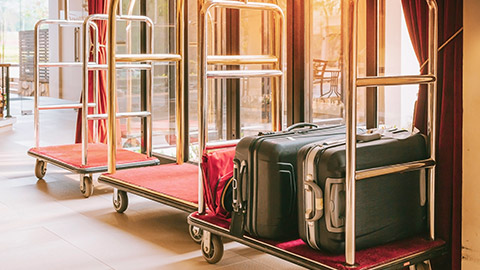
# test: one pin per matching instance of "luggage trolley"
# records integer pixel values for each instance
(415, 252)
(172, 184)
(73, 157)
(176, 184)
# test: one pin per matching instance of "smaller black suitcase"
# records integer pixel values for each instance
(267, 201)
(388, 207)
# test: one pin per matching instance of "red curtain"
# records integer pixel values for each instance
(449, 117)
(96, 7)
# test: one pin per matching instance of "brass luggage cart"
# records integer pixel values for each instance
(83, 158)
(414, 253)
(172, 184)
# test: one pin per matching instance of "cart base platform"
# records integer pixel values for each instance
(171, 184)
(390, 256)
(70, 157)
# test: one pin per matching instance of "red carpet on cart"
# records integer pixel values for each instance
(366, 258)
(97, 155)
(178, 181)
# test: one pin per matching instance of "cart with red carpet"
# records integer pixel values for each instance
(414, 253)
(173, 184)
(86, 158)
(176, 184)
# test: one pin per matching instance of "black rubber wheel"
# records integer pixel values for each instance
(195, 233)
(40, 168)
(216, 250)
(120, 203)
(86, 186)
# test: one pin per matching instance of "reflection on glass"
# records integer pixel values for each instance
(164, 82)
(325, 61)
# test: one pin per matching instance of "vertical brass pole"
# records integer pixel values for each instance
(149, 94)
(202, 96)
(350, 64)
(94, 79)
(111, 86)
(432, 106)
(7, 91)
(131, 5)
(66, 10)
(180, 95)
(283, 67)
(86, 54)
(36, 92)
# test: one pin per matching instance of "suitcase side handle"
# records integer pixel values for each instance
(301, 125)
(314, 211)
(238, 201)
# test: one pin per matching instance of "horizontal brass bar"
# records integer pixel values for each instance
(62, 22)
(235, 74)
(241, 59)
(121, 17)
(148, 57)
(63, 106)
(61, 64)
(120, 66)
(118, 115)
(397, 168)
(242, 5)
(394, 80)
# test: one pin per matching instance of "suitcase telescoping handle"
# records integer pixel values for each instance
(314, 211)
(301, 125)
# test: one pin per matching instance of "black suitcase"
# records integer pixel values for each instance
(267, 201)
(388, 207)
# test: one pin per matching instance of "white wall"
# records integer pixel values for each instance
(471, 134)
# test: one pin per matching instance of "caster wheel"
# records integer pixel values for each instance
(120, 201)
(215, 253)
(40, 168)
(195, 233)
(86, 186)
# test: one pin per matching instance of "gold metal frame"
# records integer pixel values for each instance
(351, 83)
(278, 62)
(88, 67)
(113, 58)
(86, 25)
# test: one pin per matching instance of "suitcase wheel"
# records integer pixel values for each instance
(214, 252)
(421, 266)
(195, 233)
(40, 168)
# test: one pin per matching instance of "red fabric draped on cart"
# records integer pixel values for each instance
(449, 116)
(96, 7)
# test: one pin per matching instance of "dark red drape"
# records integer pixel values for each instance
(96, 7)
(449, 117)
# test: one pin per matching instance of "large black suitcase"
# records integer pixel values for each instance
(267, 204)
(388, 207)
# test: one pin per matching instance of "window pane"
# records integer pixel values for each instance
(254, 97)
(396, 103)
(164, 80)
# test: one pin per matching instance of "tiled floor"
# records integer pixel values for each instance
(47, 224)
